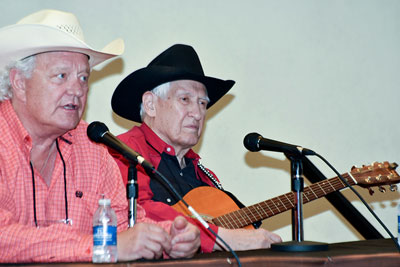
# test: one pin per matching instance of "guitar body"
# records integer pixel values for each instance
(209, 202)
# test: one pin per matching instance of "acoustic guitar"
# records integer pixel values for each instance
(218, 208)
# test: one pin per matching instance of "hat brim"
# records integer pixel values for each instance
(127, 97)
(22, 40)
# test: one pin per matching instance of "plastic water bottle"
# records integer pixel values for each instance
(104, 233)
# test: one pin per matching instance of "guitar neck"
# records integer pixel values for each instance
(260, 211)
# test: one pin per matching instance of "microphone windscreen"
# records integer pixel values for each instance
(96, 130)
(251, 141)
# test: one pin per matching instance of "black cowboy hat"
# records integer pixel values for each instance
(179, 62)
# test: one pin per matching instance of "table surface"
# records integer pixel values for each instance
(378, 252)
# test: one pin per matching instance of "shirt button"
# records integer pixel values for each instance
(168, 149)
(168, 200)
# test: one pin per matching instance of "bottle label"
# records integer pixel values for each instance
(398, 225)
(104, 236)
(398, 228)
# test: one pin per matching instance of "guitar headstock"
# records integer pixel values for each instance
(376, 174)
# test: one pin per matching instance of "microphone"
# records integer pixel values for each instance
(255, 142)
(99, 133)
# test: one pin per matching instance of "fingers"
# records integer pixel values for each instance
(183, 231)
(143, 241)
(275, 238)
(154, 243)
(242, 239)
(185, 239)
(151, 250)
(190, 234)
(269, 238)
(185, 249)
(149, 241)
(178, 225)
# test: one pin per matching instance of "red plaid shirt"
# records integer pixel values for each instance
(90, 172)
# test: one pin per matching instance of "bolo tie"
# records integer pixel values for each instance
(66, 221)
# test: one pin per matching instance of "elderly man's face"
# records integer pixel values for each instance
(56, 93)
(179, 118)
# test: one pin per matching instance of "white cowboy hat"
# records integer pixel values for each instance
(50, 30)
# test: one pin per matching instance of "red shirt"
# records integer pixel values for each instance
(90, 173)
(144, 141)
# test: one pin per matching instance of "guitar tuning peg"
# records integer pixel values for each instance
(371, 191)
(393, 165)
(355, 168)
(393, 187)
(382, 189)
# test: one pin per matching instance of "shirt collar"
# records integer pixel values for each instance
(17, 130)
(161, 146)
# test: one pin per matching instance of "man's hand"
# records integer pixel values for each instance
(144, 240)
(242, 239)
(185, 238)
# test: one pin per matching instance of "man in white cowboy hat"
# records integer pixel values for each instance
(51, 175)
(170, 97)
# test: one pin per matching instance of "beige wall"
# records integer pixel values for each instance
(322, 74)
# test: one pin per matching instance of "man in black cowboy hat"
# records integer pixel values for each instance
(170, 96)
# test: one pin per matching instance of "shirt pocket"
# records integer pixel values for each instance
(91, 202)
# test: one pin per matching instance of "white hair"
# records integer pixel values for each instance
(25, 66)
(161, 91)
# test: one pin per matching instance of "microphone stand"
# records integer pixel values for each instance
(132, 193)
(298, 243)
(297, 188)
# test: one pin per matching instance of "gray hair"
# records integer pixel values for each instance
(161, 91)
(25, 66)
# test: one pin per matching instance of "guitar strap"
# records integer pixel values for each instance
(210, 176)
(219, 186)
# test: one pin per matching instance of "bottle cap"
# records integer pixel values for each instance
(104, 201)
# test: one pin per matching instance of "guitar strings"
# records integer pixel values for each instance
(278, 205)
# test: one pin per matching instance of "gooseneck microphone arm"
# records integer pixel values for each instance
(98, 132)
